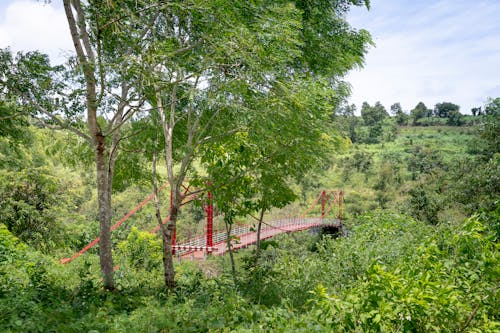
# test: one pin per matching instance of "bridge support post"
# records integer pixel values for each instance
(210, 222)
(323, 204)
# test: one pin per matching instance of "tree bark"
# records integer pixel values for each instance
(104, 159)
(167, 232)
(175, 177)
(259, 228)
(229, 226)
(168, 261)
(104, 177)
(167, 244)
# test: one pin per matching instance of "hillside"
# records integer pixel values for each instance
(418, 255)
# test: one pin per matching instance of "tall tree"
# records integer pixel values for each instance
(396, 109)
(366, 111)
(106, 36)
(373, 114)
(93, 96)
(279, 158)
(206, 65)
(442, 110)
(373, 118)
(476, 111)
(420, 111)
(492, 107)
(398, 113)
(346, 121)
(213, 66)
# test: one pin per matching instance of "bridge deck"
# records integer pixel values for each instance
(245, 234)
(249, 236)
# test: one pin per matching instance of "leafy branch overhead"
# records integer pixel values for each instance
(194, 75)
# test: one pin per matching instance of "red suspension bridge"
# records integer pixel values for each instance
(242, 235)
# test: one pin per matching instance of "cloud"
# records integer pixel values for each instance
(32, 25)
(430, 51)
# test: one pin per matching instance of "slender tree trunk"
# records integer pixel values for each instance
(168, 260)
(168, 124)
(104, 173)
(175, 177)
(229, 226)
(104, 207)
(168, 272)
(103, 158)
(167, 247)
(259, 228)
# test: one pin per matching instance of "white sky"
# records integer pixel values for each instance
(428, 50)
(27, 25)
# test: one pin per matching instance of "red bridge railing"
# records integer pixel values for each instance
(244, 234)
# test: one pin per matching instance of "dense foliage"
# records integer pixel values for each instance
(247, 100)
(391, 272)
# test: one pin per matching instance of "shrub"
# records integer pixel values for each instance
(142, 250)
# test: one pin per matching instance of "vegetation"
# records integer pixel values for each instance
(246, 101)
(435, 271)
(188, 75)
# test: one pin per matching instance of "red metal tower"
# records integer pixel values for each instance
(210, 222)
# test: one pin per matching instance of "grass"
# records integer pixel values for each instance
(390, 160)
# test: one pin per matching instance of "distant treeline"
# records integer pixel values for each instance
(376, 124)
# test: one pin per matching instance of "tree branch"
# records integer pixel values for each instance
(60, 123)
(83, 31)
(63, 127)
(74, 31)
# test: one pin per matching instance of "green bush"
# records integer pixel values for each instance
(142, 250)
(449, 284)
(27, 206)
